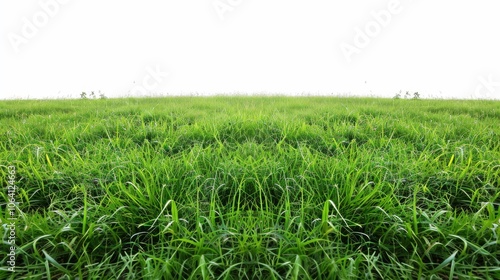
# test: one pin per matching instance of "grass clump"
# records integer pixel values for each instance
(253, 188)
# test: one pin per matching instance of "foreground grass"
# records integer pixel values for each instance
(252, 188)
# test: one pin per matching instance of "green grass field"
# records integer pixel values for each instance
(251, 188)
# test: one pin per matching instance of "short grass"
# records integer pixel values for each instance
(253, 188)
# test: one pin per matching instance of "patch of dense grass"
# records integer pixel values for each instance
(253, 188)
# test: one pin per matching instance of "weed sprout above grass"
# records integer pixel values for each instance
(253, 188)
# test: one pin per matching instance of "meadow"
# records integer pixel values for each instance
(251, 188)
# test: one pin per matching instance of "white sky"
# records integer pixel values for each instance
(444, 49)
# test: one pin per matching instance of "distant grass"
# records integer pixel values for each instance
(253, 188)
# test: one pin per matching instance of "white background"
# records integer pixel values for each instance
(442, 49)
